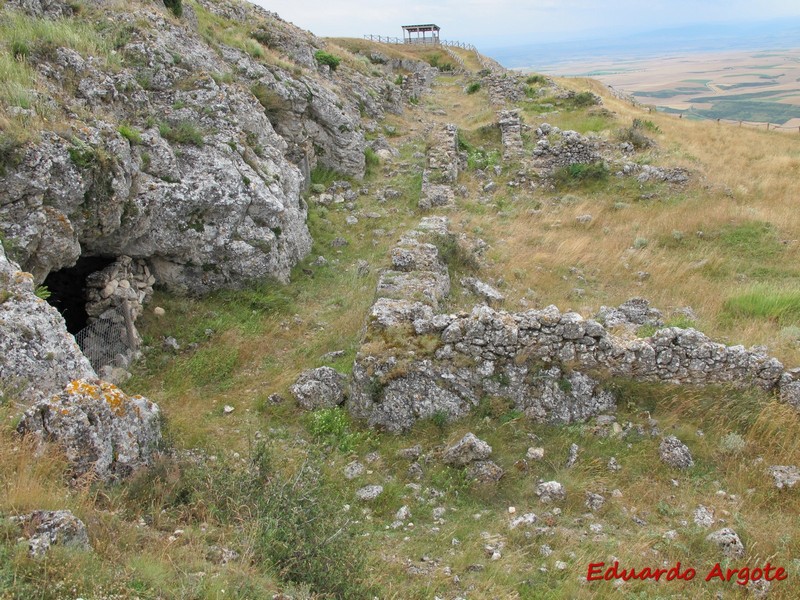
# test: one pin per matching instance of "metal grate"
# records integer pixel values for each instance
(104, 338)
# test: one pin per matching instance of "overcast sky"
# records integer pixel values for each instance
(488, 23)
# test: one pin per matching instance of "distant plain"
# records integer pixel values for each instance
(741, 85)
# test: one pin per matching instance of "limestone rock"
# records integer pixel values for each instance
(675, 453)
(369, 492)
(354, 469)
(483, 290)
(785, 476)
(594, 501)
(469, 449)
(636, 311)
(38, 357)
(412, 453)
(703, 516)
(485, 471)
(322, 387)
(550, 491)
(535, 453)
(728, 541)
(46, 528)
(524, 520)
(101, 430)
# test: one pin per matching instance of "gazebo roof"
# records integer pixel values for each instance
(425, 27)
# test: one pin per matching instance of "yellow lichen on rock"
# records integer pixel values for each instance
(102, 390)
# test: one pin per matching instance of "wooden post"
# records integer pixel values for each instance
(133, 342)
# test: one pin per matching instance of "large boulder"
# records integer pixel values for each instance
(37, 355)
(675, 453)
(103, 432)
(319, 388)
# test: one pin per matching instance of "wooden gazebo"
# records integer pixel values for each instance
(421, 34)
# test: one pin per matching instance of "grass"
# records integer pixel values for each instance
(579, 174)
(24, 39)
(779, 305)
(183, 132)
(130, 133)
(284, 510)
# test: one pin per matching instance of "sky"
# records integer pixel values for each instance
(498, 23)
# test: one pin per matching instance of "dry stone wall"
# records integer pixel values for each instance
(511, 133)
(441, 172)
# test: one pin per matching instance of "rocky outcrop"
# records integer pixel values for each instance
(319, 388)
(51, 9)
(191, 154)
(205, 210)
(103, 433)
(37, 355)
(45, 528)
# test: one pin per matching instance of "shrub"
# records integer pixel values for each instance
(371, 160)
(331, 426)
(439, 419)
(635, 136)
(130, 133)
(646, 124)
(325, 58)
(454, 254)
(184, 132)
(733, 443)
(473, 87)
(306, 537)
(20, 49)
(584, 99)
(294, 519)
(323, 175)
(536, 80)
(82, 154)
(580, 173)
(10, 152)
(175, 6)
(263, 37)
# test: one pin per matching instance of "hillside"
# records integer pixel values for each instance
(605, 297)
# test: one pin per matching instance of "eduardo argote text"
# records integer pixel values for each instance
(743, 575)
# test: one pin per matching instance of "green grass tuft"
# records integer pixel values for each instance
(184, 132)
(782, 306)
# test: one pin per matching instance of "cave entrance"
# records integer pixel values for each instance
(68, 289)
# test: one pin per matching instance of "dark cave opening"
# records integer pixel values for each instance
(68, 289)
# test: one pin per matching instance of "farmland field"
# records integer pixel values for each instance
(748, 86)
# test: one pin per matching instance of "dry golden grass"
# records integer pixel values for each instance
(739, 176)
